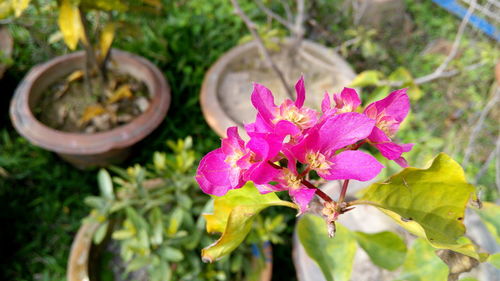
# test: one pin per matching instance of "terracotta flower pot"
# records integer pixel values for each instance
(227, 86)
(92, 149)
(83, 255)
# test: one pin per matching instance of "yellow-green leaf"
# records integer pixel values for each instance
(429, 203)
(334, 256)
(380, 246)
(233, 217)
(494, 260)
(367, 78)
(70, 24)
(76, 75)
(107, 36)
(422, 264)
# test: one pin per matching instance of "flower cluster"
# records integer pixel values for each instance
(289, 141)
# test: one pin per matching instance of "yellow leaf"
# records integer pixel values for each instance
(20, 6)
(107, 36)
(76, 75)
(91, 112)
(121, 93)
(70, 24)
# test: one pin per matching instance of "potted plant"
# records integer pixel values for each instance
(293, 149)
(145, 225)
(90, 106)
(268, 57)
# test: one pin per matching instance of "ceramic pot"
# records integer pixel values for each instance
(227, 86)
(85, 150)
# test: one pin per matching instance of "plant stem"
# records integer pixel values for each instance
(90, 55)
(260, 43)
(343, 191)
(274, 165)
(319, 192)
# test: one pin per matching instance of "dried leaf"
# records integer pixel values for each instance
(123, 92)
(91, 112)
(76, 75)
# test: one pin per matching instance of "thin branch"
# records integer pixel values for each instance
(458, 38)
(479, 125)
(436, 75)
(319, 192)
(260, 43)
(298, 30)
(487, 163)
(275, 16)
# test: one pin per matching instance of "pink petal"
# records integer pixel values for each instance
(396, 104)
(310, 143)
(267, 188)
(215, 176)
(344, 129)
(261, 173)
(302, 197)
(326, 104)
(353, 164)
(401, 162)
(301, 92)
(232, 142)
(348, 97)
(263, 101)
(387, 148)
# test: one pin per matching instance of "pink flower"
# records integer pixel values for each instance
(235, 163)
(319, 148)
(289, 179)
(347, 101)
(221, 169)
(290, 118)
(388, 114)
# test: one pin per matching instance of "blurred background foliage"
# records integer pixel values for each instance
(42, 196)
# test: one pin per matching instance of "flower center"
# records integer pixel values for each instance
(318, 161)
(292, 180)
(302, 117)
(232, 159)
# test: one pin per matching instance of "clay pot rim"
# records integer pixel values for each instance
(212, 110)
(89, 143)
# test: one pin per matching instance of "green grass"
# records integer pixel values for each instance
(42, 197)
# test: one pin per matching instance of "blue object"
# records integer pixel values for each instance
(454, 7)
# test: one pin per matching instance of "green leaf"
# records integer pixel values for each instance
(172, 254)
(367, 78)
(101, 233)
(490, 214)
(70, 24)
(401, 74)
(334, 256)
(175, 221)
(157, 225)
(430, 203)
(138, 263)
(468, 279)
(233, 217)
(385, 249)
(494, 260)
(422, 264)
(105, 184)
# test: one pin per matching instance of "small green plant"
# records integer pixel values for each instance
(153, 213)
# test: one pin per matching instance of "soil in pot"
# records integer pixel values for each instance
(73, 104)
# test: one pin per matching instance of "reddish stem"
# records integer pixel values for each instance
(343, 191)
(319, 192)
(358, 145)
